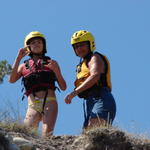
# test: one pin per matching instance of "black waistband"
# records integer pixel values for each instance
(94, 91)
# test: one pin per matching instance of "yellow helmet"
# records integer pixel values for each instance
(81, 36)
(35, 34)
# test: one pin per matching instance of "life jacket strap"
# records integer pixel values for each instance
(46, 92)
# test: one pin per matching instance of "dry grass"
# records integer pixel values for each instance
(102, 138)
(18, 127)
(10, 120)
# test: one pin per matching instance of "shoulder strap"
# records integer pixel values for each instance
(78, 67)
(44, 60)
(27, 65)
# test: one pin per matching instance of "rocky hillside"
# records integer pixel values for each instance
(19, 138)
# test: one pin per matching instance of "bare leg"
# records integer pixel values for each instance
(49, 117)
(96, 122)
(32, 118)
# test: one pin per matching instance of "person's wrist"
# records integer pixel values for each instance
(74, 93)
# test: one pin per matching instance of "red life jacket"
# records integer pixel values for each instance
(37, 77)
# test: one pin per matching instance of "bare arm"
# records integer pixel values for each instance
(96, 66)
(16, 68)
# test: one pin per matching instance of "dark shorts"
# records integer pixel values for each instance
(102, 106)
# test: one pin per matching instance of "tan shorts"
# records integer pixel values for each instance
(37, 103)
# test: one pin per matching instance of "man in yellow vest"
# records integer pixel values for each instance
(93, 82)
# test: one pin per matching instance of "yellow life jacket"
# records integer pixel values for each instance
(83, 73)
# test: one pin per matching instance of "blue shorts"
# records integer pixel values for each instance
(102, 106)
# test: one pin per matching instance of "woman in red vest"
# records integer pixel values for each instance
(39, 74)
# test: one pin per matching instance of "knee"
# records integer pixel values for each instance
(30, 122)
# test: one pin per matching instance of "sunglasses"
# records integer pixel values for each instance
(75, 46)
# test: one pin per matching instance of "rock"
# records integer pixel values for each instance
(22, 143)
(13, 147)
(1, 147)
(95, 139)
(9, 137)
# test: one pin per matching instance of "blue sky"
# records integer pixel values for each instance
(122, 31)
